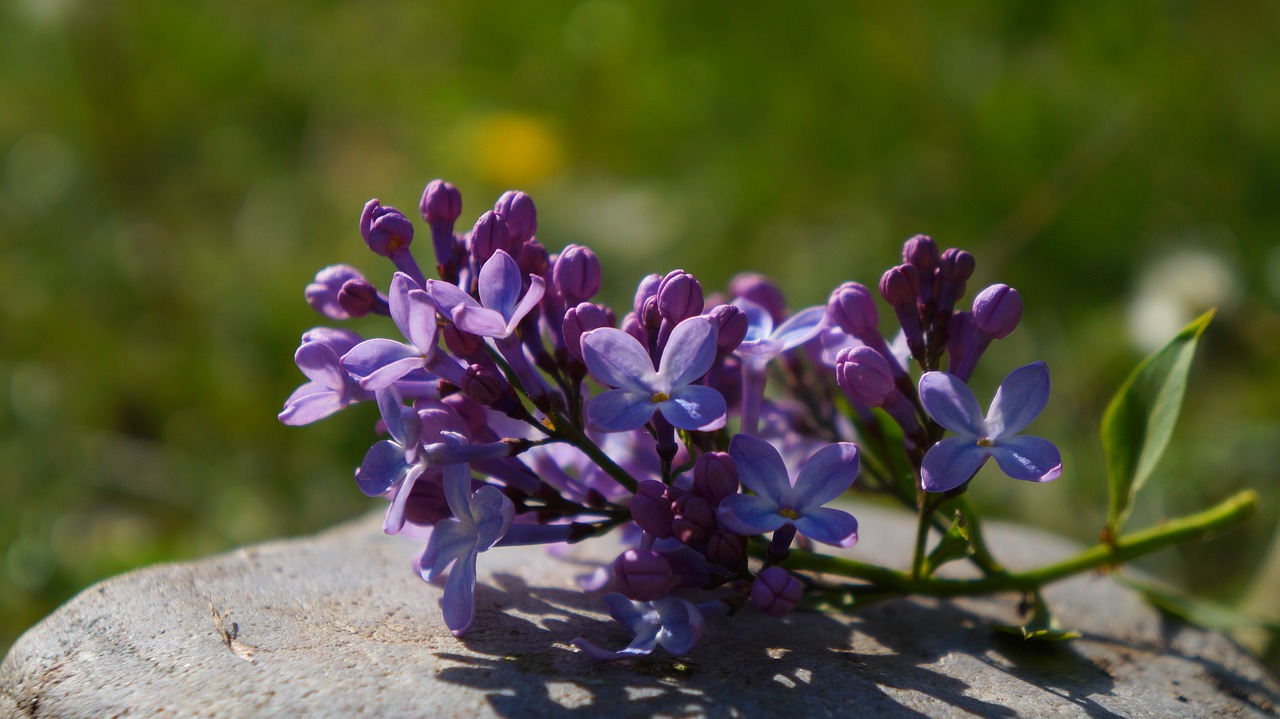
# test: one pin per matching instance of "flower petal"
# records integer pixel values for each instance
(1033, 459)
(321, 365)
(1021, 397)
(689, 354)
(619, 410)
(394, 520)
(826, 475)
(532, 296)
(369, 362)
(951, 403)
(829, 526)
(459, 603)
(492, 511)
(950, 463)
(499, 283)
(694, 407)
(617, 359)
(448, 297)
(422, 322)
(800, 327)
(382, 467)
(761, 468)
(480, 321)
(398, 299)
(682, 624)
(449, 540)
(747, 514)
(759, 321)
(309, 403)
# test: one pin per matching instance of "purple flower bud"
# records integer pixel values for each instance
(533, 259)
(648, 288)
(997, 310)
(715, 476)
(731, 324)
(954, 270)
(852, 307)
(426, 504)
(358, 298)
(482, 385)
(650, 317)
(900, 286)
(679, 296)
(460, 413)
(725, 377)
(322, 294)
(864, 375)
(761, 290)
(631, 325)
(922, 253)
(459, 343)
(489, 235)
(651, 508)
(441, 203)
(643, 574)
(385, 229)
(695, 518)
(522, 217)
(576, 274)
(726, 549)
(577, 320)
(775, 592)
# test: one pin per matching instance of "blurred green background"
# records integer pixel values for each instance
(172, 175)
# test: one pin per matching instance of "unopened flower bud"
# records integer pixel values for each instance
(679, 296)
(461, 412)
(489, 235)
(522, 217)
(695, 518)
(761, 290)
(631, 325)
(731, 324)
(534, 259)
(650, 317)
(576, 274)
(775, 592)
(385, 229)
(900, 286)
(441, 203)
(921, 252)
(358, 298)
(651, 508)
(715, 476)
(852, 307)
(864, 375)
(643, 574)
(997, 311)
(459, 343)
(954, 270)
(482, 385)
(726, 549)
(579, 320)
(647, 288)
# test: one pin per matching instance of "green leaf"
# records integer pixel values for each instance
(1194, 610)
(954, 545)
(1140, 419)
(1041, 627)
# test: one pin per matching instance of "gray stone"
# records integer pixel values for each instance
(338, 625)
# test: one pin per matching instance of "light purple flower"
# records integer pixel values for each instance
(671, 622)
(330, 387)
(480, 520)
(764, 341)
(778, 501)
(619, 360)
(322, 294)
(1018, 401)
(377, 363)
(500, 308)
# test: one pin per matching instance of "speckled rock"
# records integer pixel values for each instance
(338, 625)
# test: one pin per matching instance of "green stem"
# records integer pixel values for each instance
(1174, 531)
(977, 541)
(575, 436)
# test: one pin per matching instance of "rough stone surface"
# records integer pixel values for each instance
(337, 625)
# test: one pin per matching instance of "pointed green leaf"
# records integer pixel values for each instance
(953, 545)
(1140, 419)
(1041, 627)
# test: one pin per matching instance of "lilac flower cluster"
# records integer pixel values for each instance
(515, 410)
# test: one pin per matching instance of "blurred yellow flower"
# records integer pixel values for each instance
(516, 150)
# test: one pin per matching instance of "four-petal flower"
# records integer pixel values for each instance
(672, 622)
(1020, 398)
(500, 308)
(619, 360)
(778, 501)
(378, 363)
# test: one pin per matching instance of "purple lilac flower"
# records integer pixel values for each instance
(1020, 398)
(619, 360)
(671, 622)
(762, 343)
(775, 592)
(330, 387)
(778, 501)
(480, 520)
(377, 363)
(322, 294)
(501, 306)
